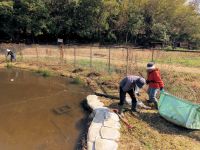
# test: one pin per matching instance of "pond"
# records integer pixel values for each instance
(38, 113)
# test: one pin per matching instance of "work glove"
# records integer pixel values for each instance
(137, 94)
(162, 89)
(147, 81)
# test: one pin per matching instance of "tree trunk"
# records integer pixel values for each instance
(126, 37)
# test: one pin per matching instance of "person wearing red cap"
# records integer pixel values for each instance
(155, 83)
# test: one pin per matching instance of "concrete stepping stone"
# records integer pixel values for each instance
(104, 144)
(94, 131)
(103, 132)
(110, 133)
(95, 105)
(111, 124)
(90, 145)
(113, 116)
(100, 114)
(94, 102)
(91, 97)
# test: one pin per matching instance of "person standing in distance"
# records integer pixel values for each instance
(12, 55)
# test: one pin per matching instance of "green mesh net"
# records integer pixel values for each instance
(179, 111)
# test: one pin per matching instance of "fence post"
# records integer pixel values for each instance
(90, 57)
(109, 61)
(36, 50)
(152, 56)
(74, 56)
(21, 53)
(65, 53)
(136, 60)
(61, 54)
(127, 61)
(47, 56)
(62, 50)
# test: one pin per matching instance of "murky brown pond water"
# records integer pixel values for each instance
(27, 119)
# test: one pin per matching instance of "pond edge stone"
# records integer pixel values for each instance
(103, 133)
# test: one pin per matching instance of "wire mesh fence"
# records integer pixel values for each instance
(180, 70)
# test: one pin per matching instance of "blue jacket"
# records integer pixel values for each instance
(129, 83)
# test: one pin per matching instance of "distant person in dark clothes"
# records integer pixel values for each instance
(155, 83)
(131, 85)
(12, 55)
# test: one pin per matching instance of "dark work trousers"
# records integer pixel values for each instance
(12, 58)
(122, 96)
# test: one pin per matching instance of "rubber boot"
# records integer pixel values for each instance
(133, 107)
(120, 109)
(149, 101)
(156, 105)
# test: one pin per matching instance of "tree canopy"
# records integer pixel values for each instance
(114, 21)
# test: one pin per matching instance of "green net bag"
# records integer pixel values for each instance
(179, 111)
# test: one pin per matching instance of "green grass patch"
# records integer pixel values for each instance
(189, 62)
(77, 80)
(180, 61)
(98, 65)
(44, 72)
(9, 65)
(177, 48)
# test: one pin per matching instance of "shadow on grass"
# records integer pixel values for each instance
(163, 126)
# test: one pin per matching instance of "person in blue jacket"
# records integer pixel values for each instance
(131, 85)
(12, 55)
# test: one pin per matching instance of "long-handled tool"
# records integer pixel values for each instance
(123, 120)
(141, 74)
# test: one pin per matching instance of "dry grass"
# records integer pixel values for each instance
(153, 132)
